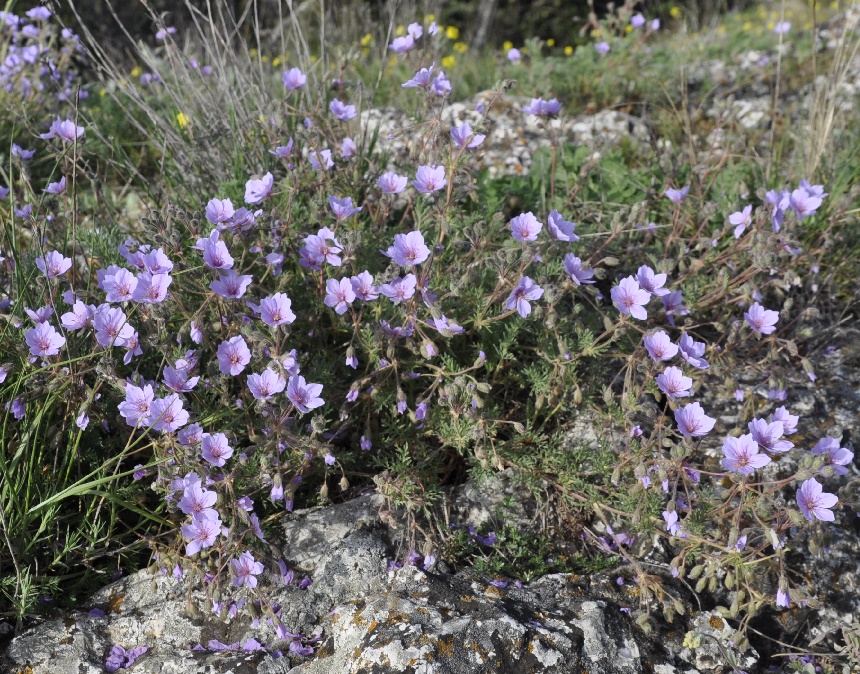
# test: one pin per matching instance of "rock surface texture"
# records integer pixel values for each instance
(369, 620)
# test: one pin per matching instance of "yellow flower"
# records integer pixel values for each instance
(596, 33)
(568, 50)
(366, 40)
(452, 32)
(102, 92)
(276, 61)
(182, 119)
(747, 25)
(136, 71)
(460, 47)
(449, 61)
(692, 640)
(314, 58)
(265, 58)
(400, 31)
(675, 12)
(550, 42)
(770, 25)
(834, 4)
(252, 52)
(628, 28)
(507, 45)
(429, 18)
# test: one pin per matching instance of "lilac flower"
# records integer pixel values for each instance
(58, 187)
(636, 431)
(164, 32)
(342, 111)
(4, 192)
(692, 421)
(198, 502)
(231, 285)
(441, 85)
(421, 79)
(741, 220)
(347, 148)
(18, 408)
(782, 27)
(560, 228)
(167, 414)
(674, 384)
(82, 420)
(525, 292)
(815, 503)
(293, 79)
(463, 136)
(677, 195)
(264, 386)
(151, 288)
(120, 286)
(768, 435)
(651, 282)
(39, 13)
(514, 55)
(429, 179)
(216, 255)
(283, 151)
(320, 161)
(637, 21)
(216, 449)
(119, 657)
(602, 48)
(391, 183)
(201, 533)
(339, 295)
(400, 288)
(655, 24)
(804, 203)
(53, 264)
(660, 346)
(402, 44)
(233, 356)
(257, 189)
(837, 456)
(543, 108)
(761, 320)
(526, 227)
(112, 327)
(739, 395)
(44, 340)
(408, 249)
(304, 396)
(783, 598)
(672, 524)
(136, 407)
(630, 298)
(218, 211)
(362, 286)
(67, 131)
(365, 443)
(789, 421)
(342, 208)
(321, 247)
(444, 327)
(692, 351)
(275, 310)
(780, 202)
(415, 30)
(177, 380)
(245, 570)
(41, 315)
(742, 455)
(573, 266)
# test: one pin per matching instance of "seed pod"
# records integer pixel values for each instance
(701, 584)
(696, 571)
(712, 584)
